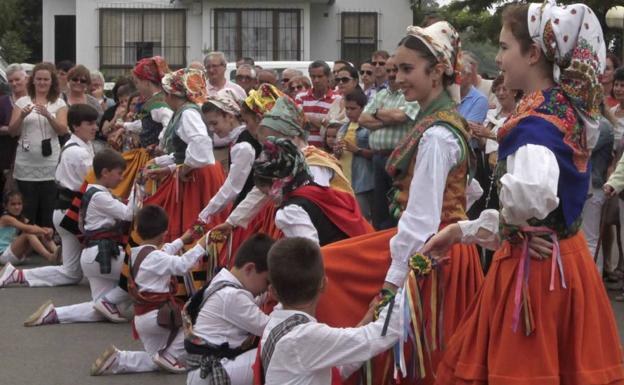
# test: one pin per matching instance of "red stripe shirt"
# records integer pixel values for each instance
(317, 108)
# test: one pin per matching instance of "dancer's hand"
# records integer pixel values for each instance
(187, 237)
(440, 244)
(184, 173)
(540, 248)
(224, 228)
(609, 190)
(157, 173)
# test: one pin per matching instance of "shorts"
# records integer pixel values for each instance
(8, 256)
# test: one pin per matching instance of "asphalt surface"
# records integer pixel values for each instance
(63, 354)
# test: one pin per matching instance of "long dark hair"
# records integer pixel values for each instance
(353, 73)
(55, 89)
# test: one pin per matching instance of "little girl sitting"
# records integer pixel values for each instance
(17, 237)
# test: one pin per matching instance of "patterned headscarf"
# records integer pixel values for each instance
(227, 101)
(151, 68)
(263, 99)
(284, 163)
(286, 117)
(443, 41)
(571, 37)
(186, 83)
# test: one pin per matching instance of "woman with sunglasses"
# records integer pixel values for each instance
(79, 84)
(347, 80)
(298, 85)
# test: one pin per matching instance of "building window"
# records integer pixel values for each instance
(128, 35)
(359, 36)
(263, 34)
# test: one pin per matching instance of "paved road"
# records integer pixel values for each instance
(63, 354)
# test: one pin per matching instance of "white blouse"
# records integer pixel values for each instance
(438, 152)
(529, 190)
(256, 199)
(30, 164)
(242, 156)
(192, 130)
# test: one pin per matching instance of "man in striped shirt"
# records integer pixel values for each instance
(317, 101)
(388, 117)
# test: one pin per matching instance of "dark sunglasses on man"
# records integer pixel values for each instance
(378, 63)
(369, 73)
(285, 80)
(243, 78)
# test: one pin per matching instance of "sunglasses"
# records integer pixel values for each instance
(369, 73)
(343, 80)
(79, 80)
(285, 80)
(378, 63)
(297, 87)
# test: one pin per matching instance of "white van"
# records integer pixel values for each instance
(279, 66)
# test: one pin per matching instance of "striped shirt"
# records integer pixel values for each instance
(388, 137)
(317, 108)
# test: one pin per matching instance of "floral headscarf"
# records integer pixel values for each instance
(571, 37)
(227, 101)
(283, 163)
(263, 99)
(186, 83)
(151, 68)
(286, 117)
(443, 41)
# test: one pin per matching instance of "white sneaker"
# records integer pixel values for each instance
(45, 315)
(105, 362)
(169, 364)
(9, 275)
(109, 310)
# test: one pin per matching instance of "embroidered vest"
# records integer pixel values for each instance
(171, 141)
(547, 118)
(246, 137)
(151, 129)
(402, 162)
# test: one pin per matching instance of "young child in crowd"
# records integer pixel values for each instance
(223, 320)
(153, 265)
(101, 215)
(331, 132)
(295, 348)
(17, 237)
(354, 153)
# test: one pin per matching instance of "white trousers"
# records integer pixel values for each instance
(100, 284)
(69, 273)
(8, 256)
(591, 224)
(240, 370)
(154, 339)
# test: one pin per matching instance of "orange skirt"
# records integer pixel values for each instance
(356, 269)
(575, 341)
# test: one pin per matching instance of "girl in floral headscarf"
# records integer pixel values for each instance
(189, 163)
(222, 114)
(306, 209)
(542, 315)
(154, 114)
(430, 168)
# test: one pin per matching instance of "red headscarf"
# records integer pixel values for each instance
(151, 68)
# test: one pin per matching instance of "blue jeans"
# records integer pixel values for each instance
(383, 183)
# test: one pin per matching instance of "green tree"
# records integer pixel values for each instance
(20, 30)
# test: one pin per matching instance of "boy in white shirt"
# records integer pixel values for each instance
(101, 215)
(151, 284)
(295, 348)
(223, 320)
(75, 160)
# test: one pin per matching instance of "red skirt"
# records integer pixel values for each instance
(184, 200)
(356, 269)
(575, 341)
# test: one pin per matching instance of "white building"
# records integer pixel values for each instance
(112, 35)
